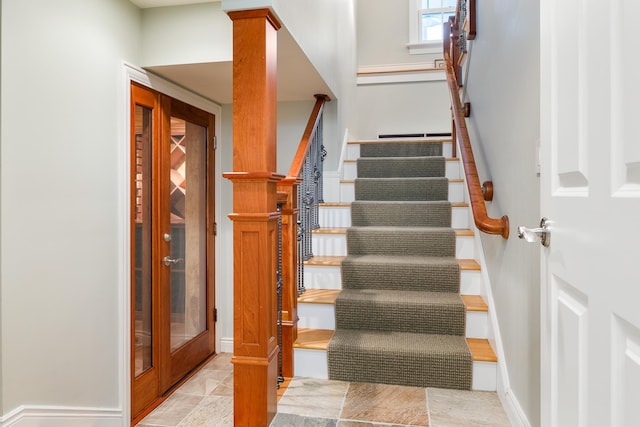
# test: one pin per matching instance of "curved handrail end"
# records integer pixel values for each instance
(505, 227)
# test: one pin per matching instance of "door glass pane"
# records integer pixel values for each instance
(142, 241)
(188, 231)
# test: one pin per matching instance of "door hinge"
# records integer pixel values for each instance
(215, 314)
(215, 142)
(215, 228)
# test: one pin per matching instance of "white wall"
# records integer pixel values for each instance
(503, 88)
(411, 106)
(188, 34)
(384, 29)
(393, 108)
(326, 32)
(60, 206)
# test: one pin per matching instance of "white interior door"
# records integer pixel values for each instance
(590, 184)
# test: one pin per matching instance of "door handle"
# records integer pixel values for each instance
(171, 261)
(532, 235)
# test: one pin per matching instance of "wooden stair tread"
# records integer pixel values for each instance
(474, 303)
(335, 204)
(336, 261)
(481, 350)
(318, 339)
(460, 232)
(313, 339)
(353, 181)
(399, 140)
(348, 204)
(327, 261)
(330, 230)
(468, 264)
(319, 296)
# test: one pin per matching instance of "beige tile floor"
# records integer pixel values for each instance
(206, 400)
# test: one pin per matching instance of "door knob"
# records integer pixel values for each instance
(542, 233)
(169, 261)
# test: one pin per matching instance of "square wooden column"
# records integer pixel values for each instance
(254, 216)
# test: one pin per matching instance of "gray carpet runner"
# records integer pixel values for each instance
(399, 318)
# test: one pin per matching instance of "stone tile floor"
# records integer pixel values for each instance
(206, 400)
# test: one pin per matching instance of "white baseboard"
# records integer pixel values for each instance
(226, 345)
(513, 409)
(61, 416)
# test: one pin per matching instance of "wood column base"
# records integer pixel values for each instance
(255, 380)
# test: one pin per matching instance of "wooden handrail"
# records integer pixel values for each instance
(482, 220)
(307, 136)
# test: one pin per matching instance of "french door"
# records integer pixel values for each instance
(172, 243)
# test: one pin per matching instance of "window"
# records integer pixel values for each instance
(431, 15)
(425, 24)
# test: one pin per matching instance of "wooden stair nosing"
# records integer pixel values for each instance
(348, 204)
(335, 204)
(318, 339)
(451, 180)
(460, 232)
(336, 261)
(319, 296)
(474, 303)
(328, 296)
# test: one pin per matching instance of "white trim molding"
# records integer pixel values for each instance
(62, 416)
(130, 74)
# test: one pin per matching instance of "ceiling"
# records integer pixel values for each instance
(297, 80)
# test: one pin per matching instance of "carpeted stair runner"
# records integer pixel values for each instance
(400, 318)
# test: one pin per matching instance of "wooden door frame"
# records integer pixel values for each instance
(131, 73)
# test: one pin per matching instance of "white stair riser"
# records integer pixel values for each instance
(329, 244)
(316, 316)
(329, 277)
(322, 277)
(485, 376)
(350, 170)
(353, 151)
(452, 170)
(313, 364)
(336, 245)
(470, 282)
(460, 217)
(310, 363)
(322, 316)
(456, 192)
(334, 216)
(477, 324)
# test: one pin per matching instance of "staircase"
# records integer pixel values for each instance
(399, 246)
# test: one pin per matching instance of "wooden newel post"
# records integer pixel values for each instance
(254, 216)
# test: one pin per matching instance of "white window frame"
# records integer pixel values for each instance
(416, 45)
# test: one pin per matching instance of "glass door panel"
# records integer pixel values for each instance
(188, 221)
(142, 240)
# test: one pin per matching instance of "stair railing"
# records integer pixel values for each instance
(477, 193)
(300, 194)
